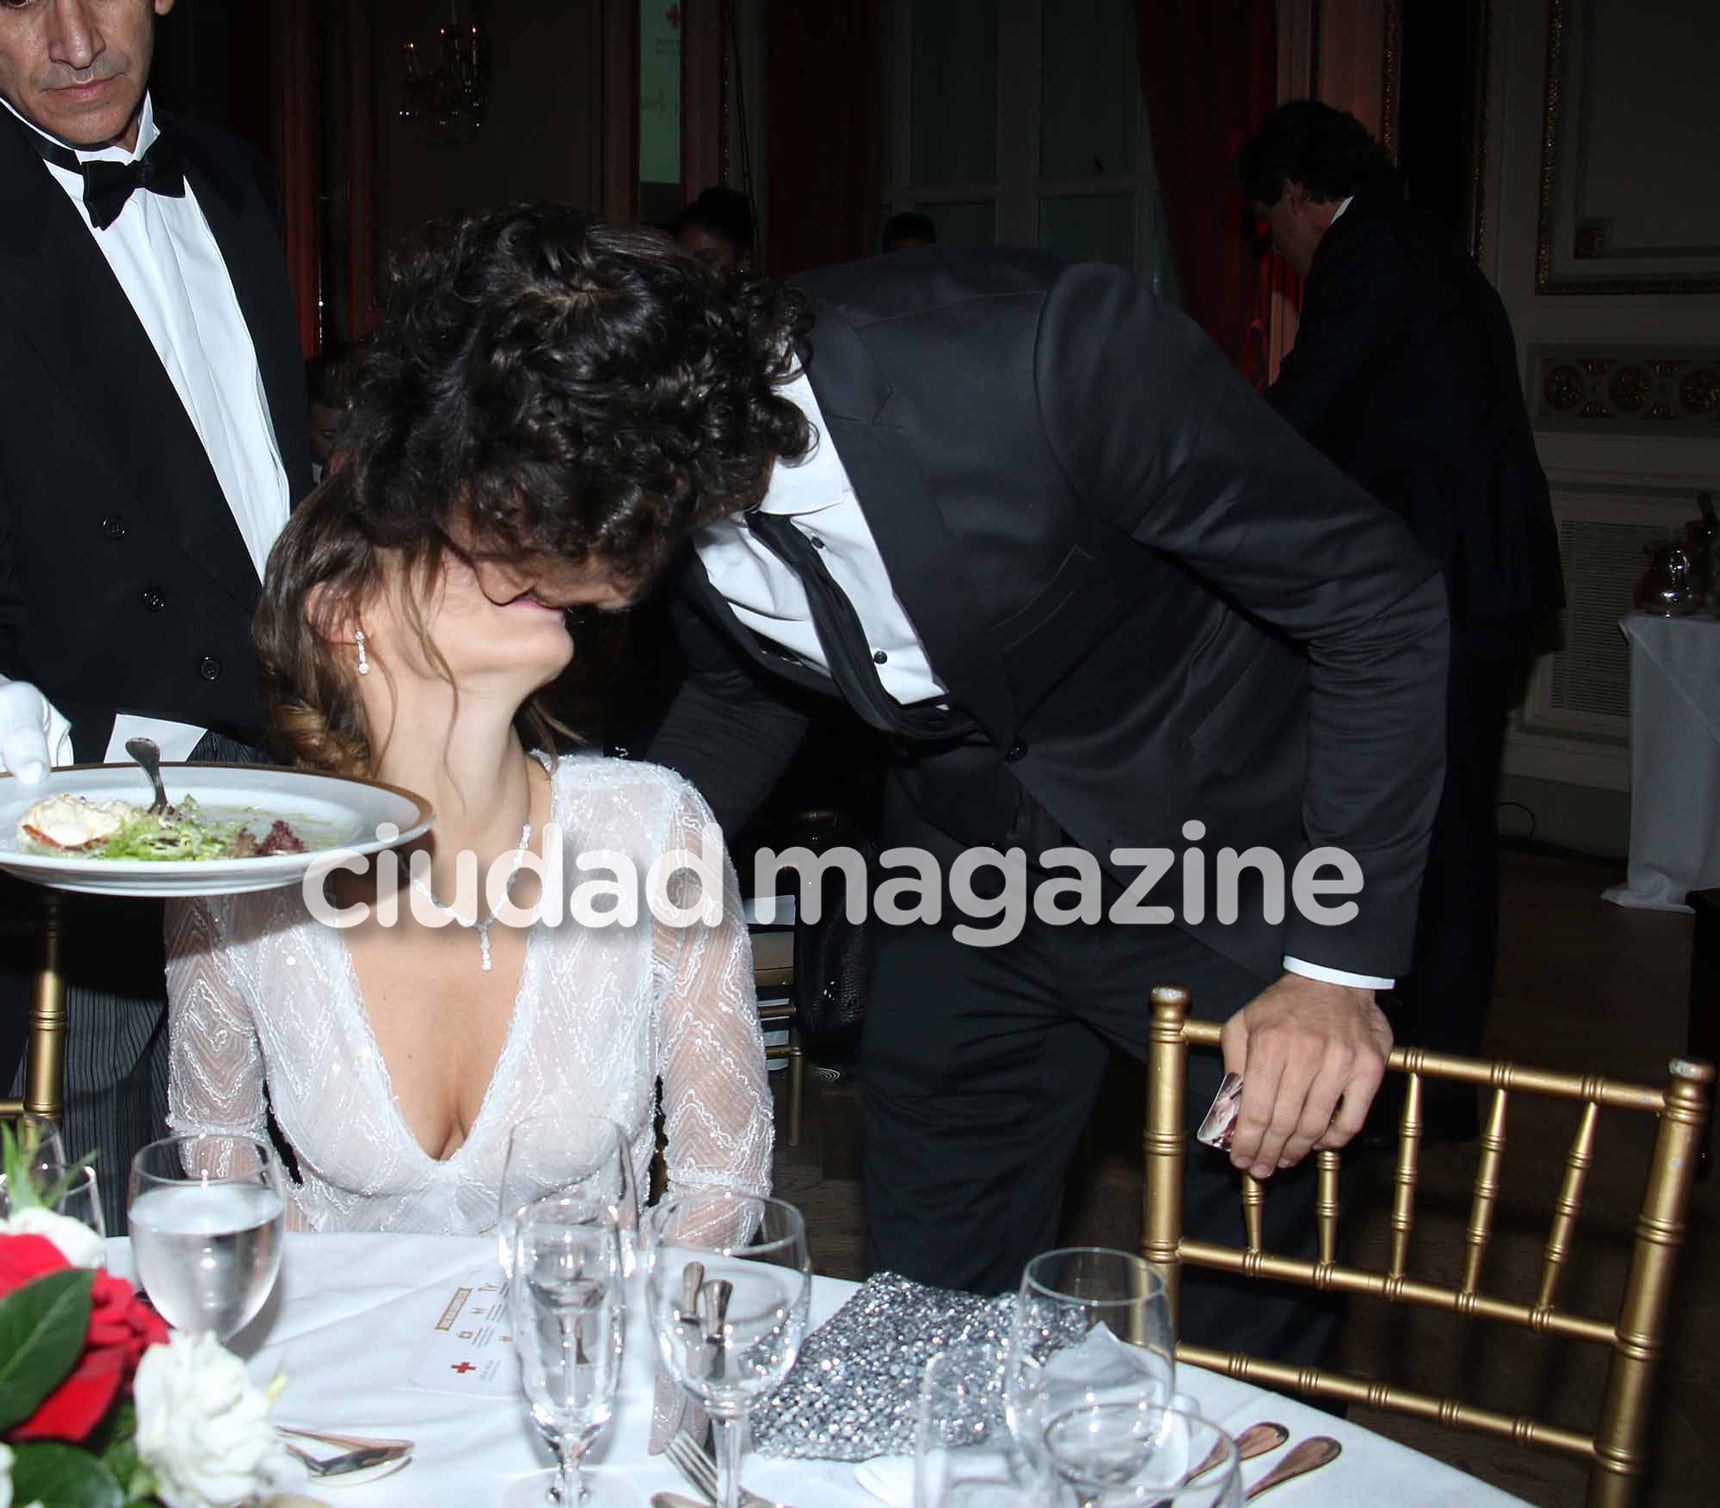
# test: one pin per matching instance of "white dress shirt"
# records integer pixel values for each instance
(171, 270)
(767, 597)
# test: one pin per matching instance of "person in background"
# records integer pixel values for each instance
(718, 228)
(153, 436)
(908, 230)
(1404, 373)
(326, 378)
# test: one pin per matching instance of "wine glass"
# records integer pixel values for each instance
(565, 1303)
(584, 1155)
(1091, 1326)
(964, 1456)
(206, 1214)
(728, 1283)
(1135, 1453)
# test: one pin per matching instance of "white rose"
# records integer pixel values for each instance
(202, 1429)
(78, 1244)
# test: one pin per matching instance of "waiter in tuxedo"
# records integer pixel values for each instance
(1404, 373)
(153, 435)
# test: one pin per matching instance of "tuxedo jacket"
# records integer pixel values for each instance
(1157, 603)
(125, 584)
(1404, 373)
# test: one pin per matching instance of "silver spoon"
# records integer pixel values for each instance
(1308, 1455)
(147, 753)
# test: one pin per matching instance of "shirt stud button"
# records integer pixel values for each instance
(879, 657)
(817, 543)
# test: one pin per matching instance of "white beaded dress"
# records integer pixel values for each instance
(266, 1013)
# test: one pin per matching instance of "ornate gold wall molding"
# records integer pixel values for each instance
(1623, 389)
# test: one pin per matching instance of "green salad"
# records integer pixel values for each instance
(120, 830)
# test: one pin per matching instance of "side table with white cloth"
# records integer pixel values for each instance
(352, 1315)
(1674, 760)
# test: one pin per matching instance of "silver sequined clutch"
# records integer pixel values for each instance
(854, 1392)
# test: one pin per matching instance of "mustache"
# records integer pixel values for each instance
(107, 66)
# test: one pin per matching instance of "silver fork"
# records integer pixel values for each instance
(361, 1459)
(691, 1460)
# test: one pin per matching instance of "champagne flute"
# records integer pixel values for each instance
(583, 1155)
(964, 1456)
(728, 1284)
(566, 1303)
(206, 1214)
(1091, 1325)
(1135, 1453)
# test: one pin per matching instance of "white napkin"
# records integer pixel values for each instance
(888, 1478)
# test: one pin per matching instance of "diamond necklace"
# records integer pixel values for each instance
(487, 920)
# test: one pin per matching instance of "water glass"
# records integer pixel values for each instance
(565, 1304)
(207, 1215)
(964, 1455)
(583, 1155)
(1134, 1453)
(1091, 1325)
(728, 1285)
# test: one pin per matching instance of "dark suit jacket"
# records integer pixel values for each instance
(1404, 373)
(124, 582)
(1157, 602)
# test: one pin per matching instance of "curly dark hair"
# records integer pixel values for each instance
(552, 385)
(1329, 152)
(541, 385)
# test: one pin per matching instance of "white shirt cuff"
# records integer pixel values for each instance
(1336, 976)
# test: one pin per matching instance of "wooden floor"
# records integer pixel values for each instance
(1583, 985)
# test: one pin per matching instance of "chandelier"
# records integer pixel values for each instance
(447, 94)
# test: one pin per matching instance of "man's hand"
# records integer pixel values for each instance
(1311, 1056)
(34, 737)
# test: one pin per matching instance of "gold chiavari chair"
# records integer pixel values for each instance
(1614, 1453)
(45, 1044)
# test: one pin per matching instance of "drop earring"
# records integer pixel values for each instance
(363, 662)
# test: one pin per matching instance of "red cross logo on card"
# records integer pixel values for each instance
(463, 1368)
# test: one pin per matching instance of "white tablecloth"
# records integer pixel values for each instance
(1674, 760)
(347, 1321)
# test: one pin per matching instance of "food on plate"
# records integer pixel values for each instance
(77, 825)
(73, 821)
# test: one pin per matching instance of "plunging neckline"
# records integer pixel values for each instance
(522, 1008)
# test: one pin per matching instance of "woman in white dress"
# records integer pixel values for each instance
(395, 1059)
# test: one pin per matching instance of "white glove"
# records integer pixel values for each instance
(34, 737)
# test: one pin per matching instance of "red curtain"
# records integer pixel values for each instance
(822, 169)
(1209, 70)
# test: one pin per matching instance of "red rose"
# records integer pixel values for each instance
(121, 1328)
(26, 1257)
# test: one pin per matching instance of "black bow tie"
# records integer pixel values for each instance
(107, 185)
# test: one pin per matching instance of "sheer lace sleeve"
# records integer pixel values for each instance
(716, 1098)
(215, 1064)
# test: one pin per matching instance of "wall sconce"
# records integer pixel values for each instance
(448, 93)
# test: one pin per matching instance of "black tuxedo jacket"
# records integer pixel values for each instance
(1404, 373)
(125, 585)
(1156, 601)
